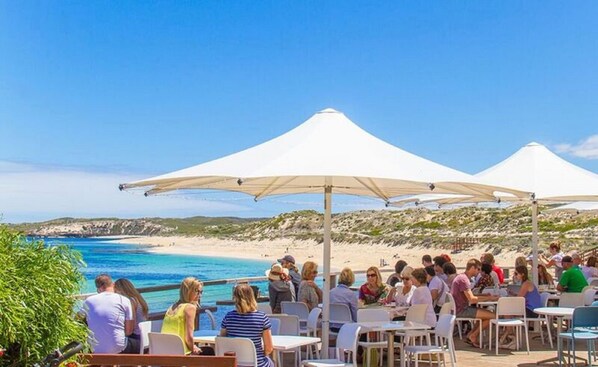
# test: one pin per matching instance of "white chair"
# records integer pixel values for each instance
(460, 320)
(312, 329)
(373, 314)
(416, 313)
(514, 308)
(275, 326)
(346, 342)
(299, 309)
(146, 327)
(166, 344)
(289, 325)
(340, 314)
(588, 295)
(572, 300)
(444, 342)
(446, 309)
(265, 308)
(243, 348)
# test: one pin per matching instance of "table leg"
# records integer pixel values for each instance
(560, 353)
(390, 336)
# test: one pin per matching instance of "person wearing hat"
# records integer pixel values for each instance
(288, 262)
(280, 289)
(572, 280)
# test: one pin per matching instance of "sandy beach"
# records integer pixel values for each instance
(356, 256)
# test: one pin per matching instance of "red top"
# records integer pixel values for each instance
(499, 272)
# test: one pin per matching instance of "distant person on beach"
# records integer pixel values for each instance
(395, 277)
(556, 258)
(109, 317)
(427, 261)
(140, 310)
(309, 292)
(572, 280)
(343, 294)
(245, 321)
(288, 262)
(280, 289)
(180, 316)
(374, 290)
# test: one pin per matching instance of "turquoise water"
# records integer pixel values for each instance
(148, 269)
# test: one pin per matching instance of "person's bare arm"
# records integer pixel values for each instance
(481, 298)
(222, 332)
(190, 311)
(268, 346)
(435, 294)
(560, 288)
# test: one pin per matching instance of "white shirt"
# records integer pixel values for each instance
(403, 299)
(106, 314)
(422, 295)
(441, 287)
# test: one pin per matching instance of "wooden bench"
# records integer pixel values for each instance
(93, 360)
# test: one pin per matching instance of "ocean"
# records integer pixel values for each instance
(148, 269)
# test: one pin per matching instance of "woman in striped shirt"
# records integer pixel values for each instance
(245, 321)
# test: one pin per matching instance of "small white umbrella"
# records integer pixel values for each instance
(326, 153)
(533, 168)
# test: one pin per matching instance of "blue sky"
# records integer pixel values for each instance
(103, 92)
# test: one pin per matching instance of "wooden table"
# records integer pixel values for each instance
(390, 328)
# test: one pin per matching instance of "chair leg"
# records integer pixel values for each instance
(549, 332)
(527, 338)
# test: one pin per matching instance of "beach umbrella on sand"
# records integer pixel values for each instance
(327, 153)
(533, 168)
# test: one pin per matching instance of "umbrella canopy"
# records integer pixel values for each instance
(532, 168)
(326, 153)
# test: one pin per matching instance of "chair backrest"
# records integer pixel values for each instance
(372, 314)
(243, 348)
(166, 344)
(347, 340)
(593, 282)
(312, 319)
(585, 317)
(444, 327)
(588, 295)
(544, 297)
(567, 299)
(265, 308)
(510, 306)
(340, 313)
(211, 318)
(451, 299)
(145, 327)
(446, 309)
(275, 329)
(289, 324)
(417, 313)
(299, 309)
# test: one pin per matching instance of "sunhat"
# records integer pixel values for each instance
(275, 271)
(287, 258)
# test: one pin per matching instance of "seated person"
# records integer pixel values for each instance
(342, 294)
(485, 280)
(572, 280)
(464, 299)
(374, 290)
(309, 292)
(395, 277)
(422, 295)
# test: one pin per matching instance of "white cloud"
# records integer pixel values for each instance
(33, 193)
(587, 148)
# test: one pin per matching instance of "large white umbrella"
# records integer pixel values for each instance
(327, 153)
(533, 168)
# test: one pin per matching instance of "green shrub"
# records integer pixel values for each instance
(37, 284)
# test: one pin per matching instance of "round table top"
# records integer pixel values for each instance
(554, 311)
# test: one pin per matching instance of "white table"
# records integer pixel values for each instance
(390, 328)
(560, 313)
(279, 342)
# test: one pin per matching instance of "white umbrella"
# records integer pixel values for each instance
(533, 168)
(326, 153)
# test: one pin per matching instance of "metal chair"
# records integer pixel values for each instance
(444, 342)
(583, 318)
(243, 348)
(514, 308)
(346, 342)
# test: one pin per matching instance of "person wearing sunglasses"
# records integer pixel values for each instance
(180, 317)
(374, 290)
(401, 294)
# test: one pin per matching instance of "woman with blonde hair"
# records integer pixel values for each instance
(245, 321)
(343, 294)
(180, 317)
(309, 292)
(373, 290)
(124, 287)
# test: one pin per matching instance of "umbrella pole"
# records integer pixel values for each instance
(535, 241)
(326, 290)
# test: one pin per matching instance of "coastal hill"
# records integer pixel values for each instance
(497, 228)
